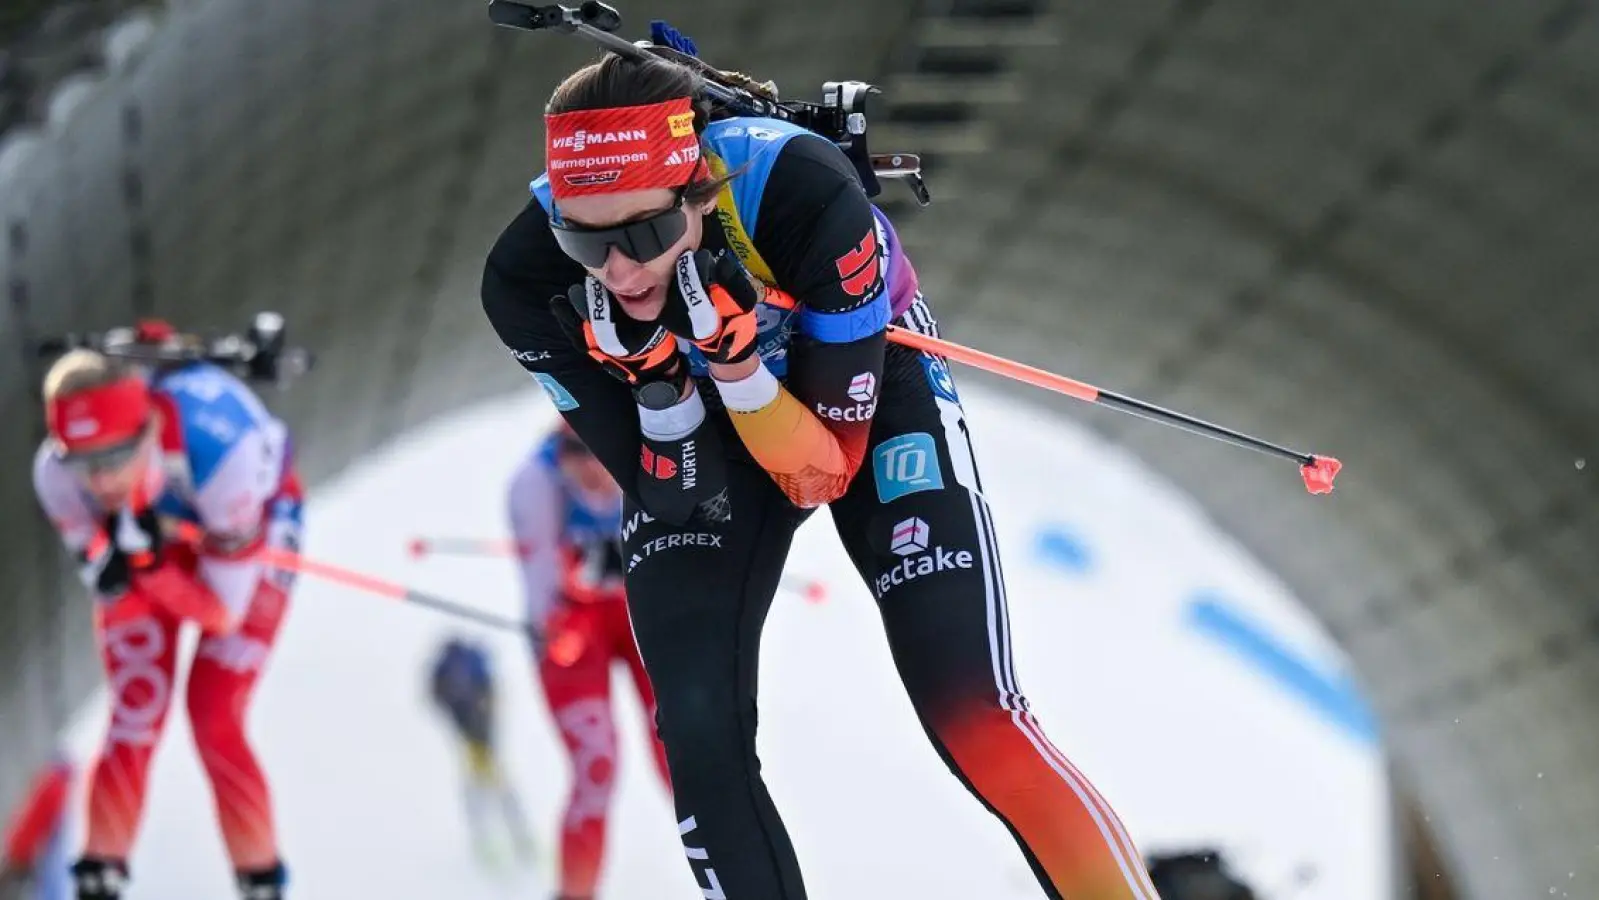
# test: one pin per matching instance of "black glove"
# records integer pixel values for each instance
(711, 302)
(634, 352)
(134, 545)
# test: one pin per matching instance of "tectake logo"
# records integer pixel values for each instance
(910, 536)
(860, 412)
(912, 541)
(863, 390)
(580, 139)
(863, 387)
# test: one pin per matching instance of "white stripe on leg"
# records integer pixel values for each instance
(1109, 826)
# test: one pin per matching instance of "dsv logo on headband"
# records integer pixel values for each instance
(582, 138)
(585, 179)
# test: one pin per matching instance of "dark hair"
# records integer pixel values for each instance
(618, 81)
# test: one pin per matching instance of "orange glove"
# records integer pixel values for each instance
(711, 302)
(631, 351)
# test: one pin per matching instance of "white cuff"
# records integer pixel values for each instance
(676, 421)
(750, 393)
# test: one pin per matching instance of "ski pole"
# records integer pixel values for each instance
(813, 590)
(1317, 471)
(286, 559)
(419, 547)
(295, 562)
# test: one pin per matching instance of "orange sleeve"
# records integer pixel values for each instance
(809, 462)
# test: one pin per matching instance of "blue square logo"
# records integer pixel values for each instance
(560, 396)
(905, 465)
(939, 378)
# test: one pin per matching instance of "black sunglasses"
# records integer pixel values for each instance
(641, 240)
(106, 459)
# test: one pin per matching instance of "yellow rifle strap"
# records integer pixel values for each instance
(733, 226)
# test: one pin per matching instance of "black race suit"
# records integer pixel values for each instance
(913, 520)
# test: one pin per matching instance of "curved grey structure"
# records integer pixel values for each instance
(1365, 228)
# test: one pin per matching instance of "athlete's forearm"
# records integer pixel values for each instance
(808, 461)
(681, 464)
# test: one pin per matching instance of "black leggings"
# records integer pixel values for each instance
(919, 532)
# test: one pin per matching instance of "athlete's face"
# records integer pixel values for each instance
(639, 287)
(111, 477)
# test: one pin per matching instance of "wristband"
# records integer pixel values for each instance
(673, 422)
(750, 393)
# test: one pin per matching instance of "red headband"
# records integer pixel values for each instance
(100, 417)
(626, 148)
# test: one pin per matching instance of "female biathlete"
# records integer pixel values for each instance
(705, 300)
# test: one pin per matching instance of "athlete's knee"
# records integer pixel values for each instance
(701, 724)
(593, 785)
(996, 744)
(218, 734)
(588, 730)
(590, 735)
(216, 713)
